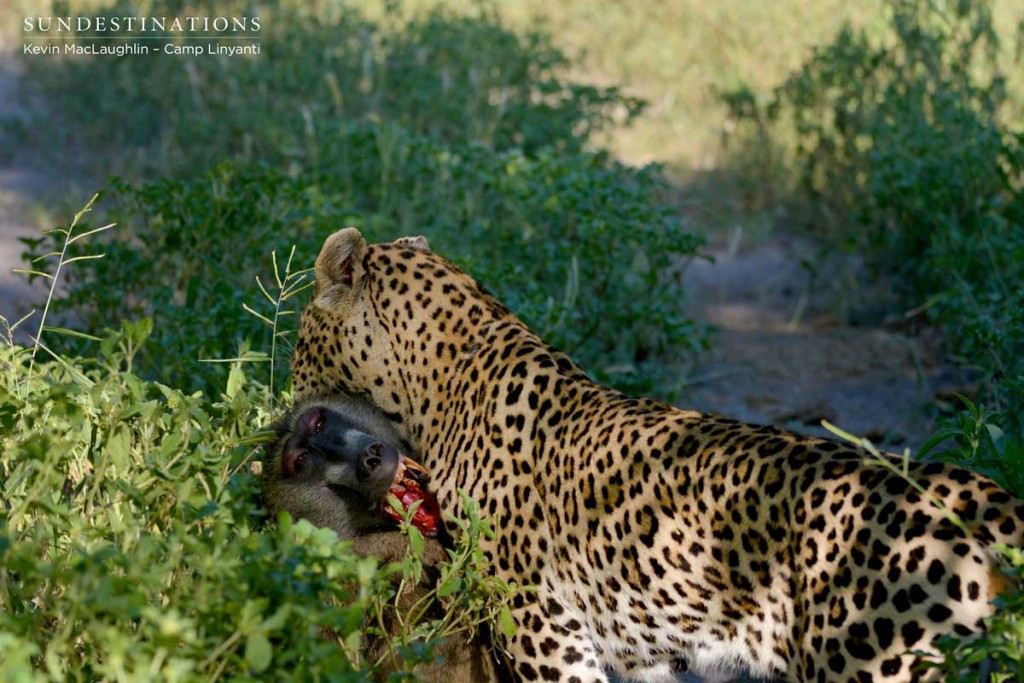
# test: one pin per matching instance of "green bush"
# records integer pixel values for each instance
(973, 440)
(905, 136)
(576, 244)
(133, 546)
(905, 146)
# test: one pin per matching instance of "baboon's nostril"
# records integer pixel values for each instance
(372, 459)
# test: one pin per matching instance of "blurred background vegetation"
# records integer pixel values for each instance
(517, 136)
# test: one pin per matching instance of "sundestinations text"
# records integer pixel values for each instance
(33, 25)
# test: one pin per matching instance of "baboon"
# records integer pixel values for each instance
(334, 460)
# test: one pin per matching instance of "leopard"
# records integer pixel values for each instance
(657, 540)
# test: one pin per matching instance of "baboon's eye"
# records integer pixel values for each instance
(312, 422)
(293, 456)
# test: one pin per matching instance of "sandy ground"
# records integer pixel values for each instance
(783, 356)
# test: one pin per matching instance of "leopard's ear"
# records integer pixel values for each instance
(416, 242)
(339, 270)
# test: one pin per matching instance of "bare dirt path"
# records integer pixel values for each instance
(783, 354)
(20, 193)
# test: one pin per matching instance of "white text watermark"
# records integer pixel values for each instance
(120, 36)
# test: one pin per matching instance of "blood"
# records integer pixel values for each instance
(410, 486)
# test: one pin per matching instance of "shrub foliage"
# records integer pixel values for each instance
(133, 545)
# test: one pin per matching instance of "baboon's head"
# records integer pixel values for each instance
(326, 467)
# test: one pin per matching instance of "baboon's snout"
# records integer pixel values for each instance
(378, 460)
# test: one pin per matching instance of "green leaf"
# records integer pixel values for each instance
(71, 333)
(236, 380)
(934, 440)
(258, 652)
(449, 587)
(508, 625)
(395, 504)
(170, 445)
(994, 431)
(56, 508)
(119, 447)
(416, 541)
(278, 619)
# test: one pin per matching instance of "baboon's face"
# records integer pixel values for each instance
(326, 447)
